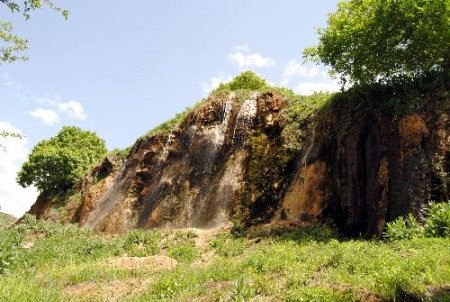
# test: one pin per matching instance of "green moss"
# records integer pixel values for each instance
(266, 163)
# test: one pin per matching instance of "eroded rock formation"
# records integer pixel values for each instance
(229, 160)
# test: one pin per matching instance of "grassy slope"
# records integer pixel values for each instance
(71, 264)
(6, 220)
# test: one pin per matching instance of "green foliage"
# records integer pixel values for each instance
(182, 247)
(298, 113)
(300, 294)
(9, 249)
(437, 224)
(242, 292)
(142, 243)
(370, 40)
(11, 45)
(169, 125)
(316, 233)
(121, 153)
(6, 220)
(4, 134)
(58, 164)
(265, 167)
(172, 123)
(227, 245)
(403, 228)
(66, 263)
(248, 80)
(438, 220)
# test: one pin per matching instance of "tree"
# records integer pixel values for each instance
(245, 80)
(58, 164)
(367, 41)
(11, 45)
(5, 134)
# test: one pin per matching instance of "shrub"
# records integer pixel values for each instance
(403, 228)
(437, 224)
(247, 80)
(438, 220)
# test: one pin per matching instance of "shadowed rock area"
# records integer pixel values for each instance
(231, 159)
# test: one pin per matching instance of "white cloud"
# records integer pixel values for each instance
(48, 116)
(243, 59)
(296, 69)
(13, 198)
(214, 82)
(71, 109)
(308, 88)
(74, 110)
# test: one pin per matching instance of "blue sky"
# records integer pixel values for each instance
(120, 70)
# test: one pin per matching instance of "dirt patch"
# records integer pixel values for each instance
(109, 291)
(204, 235)
(155, 262)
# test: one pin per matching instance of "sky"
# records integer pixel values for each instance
(122, 68)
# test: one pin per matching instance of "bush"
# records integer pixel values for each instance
(403, 228)
(437, 224)
(247, 80)
(438, 220)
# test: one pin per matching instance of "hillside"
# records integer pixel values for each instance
(43, 261)
(253, 155)
(6, 220)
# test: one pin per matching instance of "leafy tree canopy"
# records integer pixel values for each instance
(11, 45)
(246, 80)
(375, 40)
(58, 164)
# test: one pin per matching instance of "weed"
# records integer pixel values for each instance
(141, 243)
(438, 220)
(403, 228)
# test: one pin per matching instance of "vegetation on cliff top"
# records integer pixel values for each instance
(368, 41)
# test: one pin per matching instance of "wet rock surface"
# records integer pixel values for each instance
(228, 161)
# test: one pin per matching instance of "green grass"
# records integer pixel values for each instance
(6, 220)
(311, 264)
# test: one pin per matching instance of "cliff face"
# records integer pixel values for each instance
(362, 171)
(232, 159)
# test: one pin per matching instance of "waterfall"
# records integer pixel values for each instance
(306, 158)
(245, 118)
(217, 133)
(165, 150)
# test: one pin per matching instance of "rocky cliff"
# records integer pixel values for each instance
(354, 160)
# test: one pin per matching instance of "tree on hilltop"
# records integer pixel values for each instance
(369, 41)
